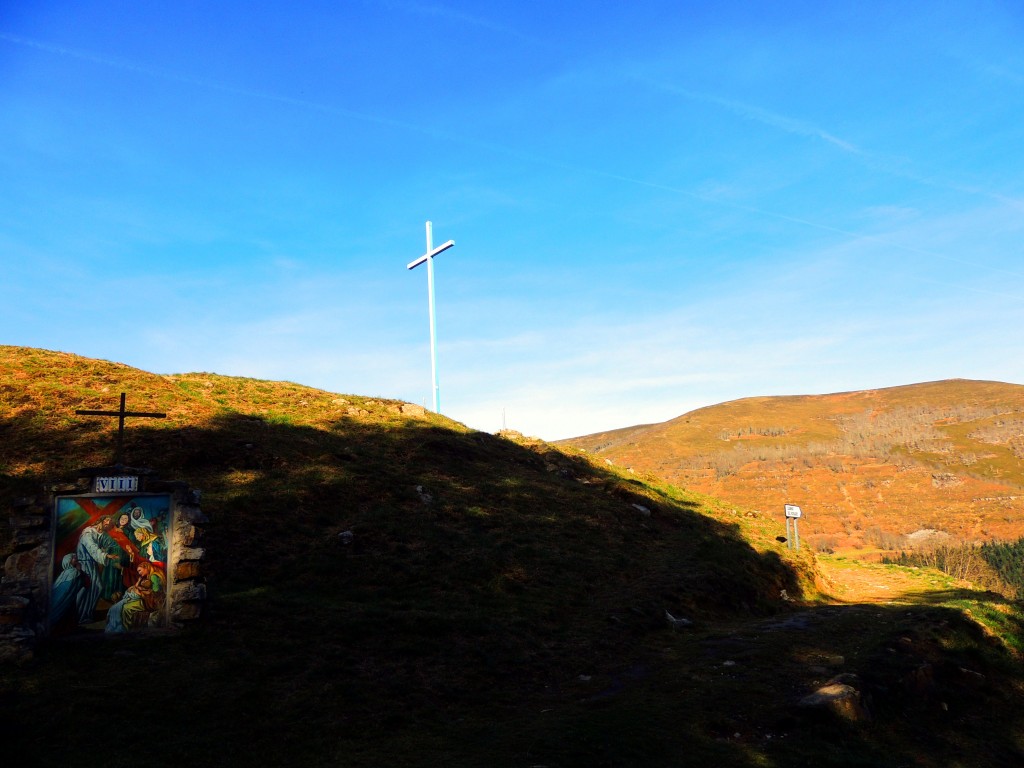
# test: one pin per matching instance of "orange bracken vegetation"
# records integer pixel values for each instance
(869, 468)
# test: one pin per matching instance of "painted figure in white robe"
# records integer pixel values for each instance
(93, 555)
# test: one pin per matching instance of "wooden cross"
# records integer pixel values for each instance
(121, 414)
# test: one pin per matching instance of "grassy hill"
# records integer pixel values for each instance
(501, 603)
(868, 468)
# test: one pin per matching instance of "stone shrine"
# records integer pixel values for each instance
(116, 551)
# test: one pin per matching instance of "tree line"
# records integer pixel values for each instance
(995, 565)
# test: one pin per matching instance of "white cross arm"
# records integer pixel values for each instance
(433, 253)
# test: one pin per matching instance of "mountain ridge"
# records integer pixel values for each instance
(881, 447)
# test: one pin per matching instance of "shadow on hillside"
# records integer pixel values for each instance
(279, 492)
(931, 689)
(934, 687)
(485, 592)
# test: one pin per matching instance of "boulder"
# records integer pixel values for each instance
(838, 698)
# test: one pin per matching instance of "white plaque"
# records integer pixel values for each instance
(123, 484)
(792, 510)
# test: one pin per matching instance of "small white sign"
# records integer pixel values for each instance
(792, 510)
(125, 484)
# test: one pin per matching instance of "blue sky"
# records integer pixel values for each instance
(656, 206)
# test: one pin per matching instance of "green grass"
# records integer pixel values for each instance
(515, 620)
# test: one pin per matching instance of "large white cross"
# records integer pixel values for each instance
(429, 258)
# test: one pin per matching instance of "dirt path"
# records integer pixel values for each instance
(855, 581)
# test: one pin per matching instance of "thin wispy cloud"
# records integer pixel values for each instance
(739, 224)
(898, 167)
(760, 115)
(779, 121)
(177, 77)
(675, 362)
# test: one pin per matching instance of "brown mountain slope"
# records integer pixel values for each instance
(869, 468)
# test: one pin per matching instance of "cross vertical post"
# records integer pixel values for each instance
(428, 257)
(433, 322)
(120, 429)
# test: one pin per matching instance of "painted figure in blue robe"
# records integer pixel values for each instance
(151, 546)
(66, 587)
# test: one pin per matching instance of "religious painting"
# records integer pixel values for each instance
(110, 563)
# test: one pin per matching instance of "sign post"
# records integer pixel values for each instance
(428, 257)
(794, 513)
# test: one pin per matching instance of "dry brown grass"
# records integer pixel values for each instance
(936, 455)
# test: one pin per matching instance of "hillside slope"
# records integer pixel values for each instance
(867, 467)
(500, 603)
